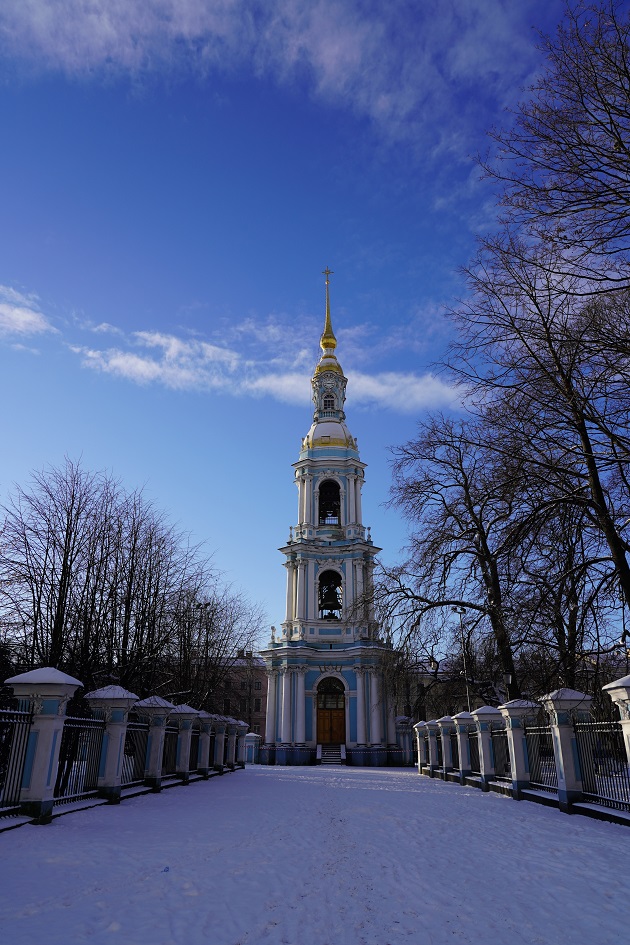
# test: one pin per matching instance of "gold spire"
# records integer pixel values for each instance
(328, 342)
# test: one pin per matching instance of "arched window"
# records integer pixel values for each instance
(330, 693)
(329, 402)
(329, 502)
(330, 595)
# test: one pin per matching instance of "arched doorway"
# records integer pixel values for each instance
(331, 712)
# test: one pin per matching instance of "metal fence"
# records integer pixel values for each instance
(440, 753)
(169, 757)
(603, 763)
(502, 766)
(473, 744)
(79, 759)
(14, 729)
(135, 753)
(542, 764)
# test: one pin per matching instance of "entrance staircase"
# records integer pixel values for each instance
(331, 754)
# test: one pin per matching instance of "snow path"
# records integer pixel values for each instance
(316, 856)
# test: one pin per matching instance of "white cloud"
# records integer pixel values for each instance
(184, 364)
(397, 63)
(20, 314)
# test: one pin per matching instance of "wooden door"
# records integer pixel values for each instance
(331, 726)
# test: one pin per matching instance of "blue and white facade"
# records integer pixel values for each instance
(325, 681)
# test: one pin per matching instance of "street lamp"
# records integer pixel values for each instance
(461, 611)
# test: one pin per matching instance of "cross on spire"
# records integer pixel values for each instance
(327, 272)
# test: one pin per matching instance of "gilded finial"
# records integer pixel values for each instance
(328, 342)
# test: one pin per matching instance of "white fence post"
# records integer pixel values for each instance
(219, 744)
(48, 691)
(156, 710)
(446, 727)
(484, 717)
(432, 729)
(423, 759)
(463, 721)
(114, 702)
(619, 692)
(562, 705)
(183, 716)
(515, 713)
(204, 766)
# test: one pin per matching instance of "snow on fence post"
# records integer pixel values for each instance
(204, 765)
(432, 729)
(232, 729)
(219, 744)
(619, 692)
(155, 710)
(423, 760)
(114, 702)
(48, 691)
(183, 716)
(240, 745)
(515, 713)
(446, 727)
(463, 721)
(484, 717)
(562, 706)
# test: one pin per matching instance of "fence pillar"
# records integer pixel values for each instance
(432, 729)
(230, 761)
(155, 710)
(205, 733)
(619, 692)
(562, 706)
(183, 716)
(48, 691)
(404, 739)
(219, 745)
(446, 727)
(423, 760)
(484, 717)
(252, 747)
(240, 745)
(515, 713)
(114, 702)
(463, 721)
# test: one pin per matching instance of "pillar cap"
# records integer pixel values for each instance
(419, 725)
(112, 694)
(463, 717)
(154, 705)
(567, 698)
(486, 711)
(516, 706)
(184, 710)
(44, 676)
(619, 688)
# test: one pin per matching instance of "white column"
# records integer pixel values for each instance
(375, 708)
(343, 501)
(358, 501)
(300, 590)
(270, 724)
(360, 674)
(285, 719)
(310, 578)
(359, 574)
(309, 500)
(301, 500)
(300, 721)
(289, 566)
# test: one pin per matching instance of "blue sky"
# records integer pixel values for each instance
(175, 175)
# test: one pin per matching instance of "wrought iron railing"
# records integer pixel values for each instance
(169, 755)
(440, 753)
(542, 764)
(79, 759)
(603, 763)
(14, 729)
(135, 753)
(502, 766)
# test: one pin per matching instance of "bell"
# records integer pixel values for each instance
(330, 601)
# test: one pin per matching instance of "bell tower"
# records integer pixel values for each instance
(326, 695)
(330, 555)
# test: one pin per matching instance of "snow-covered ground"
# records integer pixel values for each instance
(317, 856)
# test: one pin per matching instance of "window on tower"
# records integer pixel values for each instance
(329, 502)
(329, 402)
(330, 595)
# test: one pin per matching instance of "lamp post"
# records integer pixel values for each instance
(461, 611)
